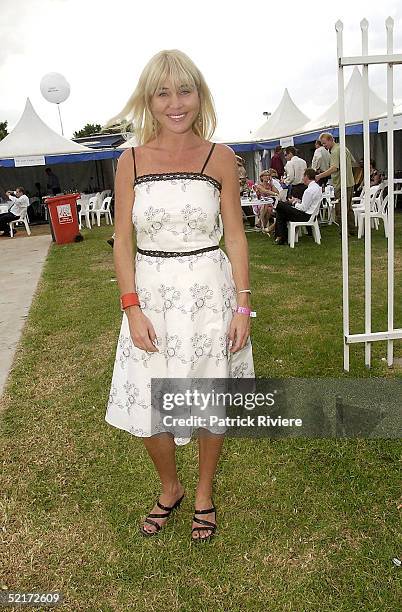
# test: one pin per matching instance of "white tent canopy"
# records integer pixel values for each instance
(353, 107)
(31, 136)
(285, 120)
(128, 143)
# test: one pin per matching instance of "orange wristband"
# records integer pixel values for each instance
(129, 299)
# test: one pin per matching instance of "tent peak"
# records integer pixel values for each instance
(287, 117)
(32, 136)
(353, 106)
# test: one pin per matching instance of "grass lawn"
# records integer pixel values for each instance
(304, 525)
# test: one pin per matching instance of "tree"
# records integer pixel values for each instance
(88, 130)
(3, 129)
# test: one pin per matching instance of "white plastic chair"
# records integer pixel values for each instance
(379, 212)
(358, 202)
(105, 194)
(84, 210)
(23, 219)
(103, 210)
(327, 209)
(95, 202)
(294, 226)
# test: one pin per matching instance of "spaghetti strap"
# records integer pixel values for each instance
(207, 160)
(135, 169)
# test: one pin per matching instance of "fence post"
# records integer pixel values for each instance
(390, 173)
(342, 140)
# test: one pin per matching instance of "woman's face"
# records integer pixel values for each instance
(266, 179)
(176, 111)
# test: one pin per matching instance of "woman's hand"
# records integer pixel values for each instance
(141, 330)
(239, 331)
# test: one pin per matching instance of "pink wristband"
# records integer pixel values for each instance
(246, 311)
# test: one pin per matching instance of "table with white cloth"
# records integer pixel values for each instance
(254, 202)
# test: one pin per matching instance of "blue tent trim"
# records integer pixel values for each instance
(100, 141)
(69, 158)
(356, 128)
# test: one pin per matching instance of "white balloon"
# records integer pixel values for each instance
(55, 87)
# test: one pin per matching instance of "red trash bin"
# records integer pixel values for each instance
(63, 217)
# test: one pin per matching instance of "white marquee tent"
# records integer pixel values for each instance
(31, 136)
(287, 119)
(353, 107)
(32, 145)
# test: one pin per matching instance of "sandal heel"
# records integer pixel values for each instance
(168, 509)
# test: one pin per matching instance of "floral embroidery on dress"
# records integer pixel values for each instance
(201, 294)
(239, 371)
(228, 297)
(132, 396)
(222, 351)
(145, 299)
(188, 299)
(114, 399)
(125, 346)
(194, 220)
(171, 297)
(173, 348)
(155, 219)
(201, 344)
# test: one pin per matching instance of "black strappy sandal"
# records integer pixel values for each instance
(208, 526)
(149, 518)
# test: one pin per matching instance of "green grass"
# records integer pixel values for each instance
(304, 525)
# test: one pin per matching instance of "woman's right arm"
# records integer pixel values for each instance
(123, 242)
(141, 329)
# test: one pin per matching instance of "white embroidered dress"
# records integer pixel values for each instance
(189, 299)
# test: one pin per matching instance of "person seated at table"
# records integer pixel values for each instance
(358, 175)
(296, 210)
(245, 187)
(268, 188)
(376, 177)
(20, 203)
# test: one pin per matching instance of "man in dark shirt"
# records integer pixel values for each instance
(277, 162)
(53, 183)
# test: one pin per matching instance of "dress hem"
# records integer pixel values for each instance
(186, 440)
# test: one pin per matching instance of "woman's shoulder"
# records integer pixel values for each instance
(223, 150)
(127, 154)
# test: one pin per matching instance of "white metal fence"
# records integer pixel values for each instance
(365, 60)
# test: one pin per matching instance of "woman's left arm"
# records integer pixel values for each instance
(236, 245)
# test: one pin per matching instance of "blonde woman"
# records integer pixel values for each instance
(268, 187)
(186, 303)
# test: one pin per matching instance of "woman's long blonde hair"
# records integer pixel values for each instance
(181, 70)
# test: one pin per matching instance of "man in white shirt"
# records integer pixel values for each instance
(296, 210)
(294, 171)
(20, 203)
(321, 161)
